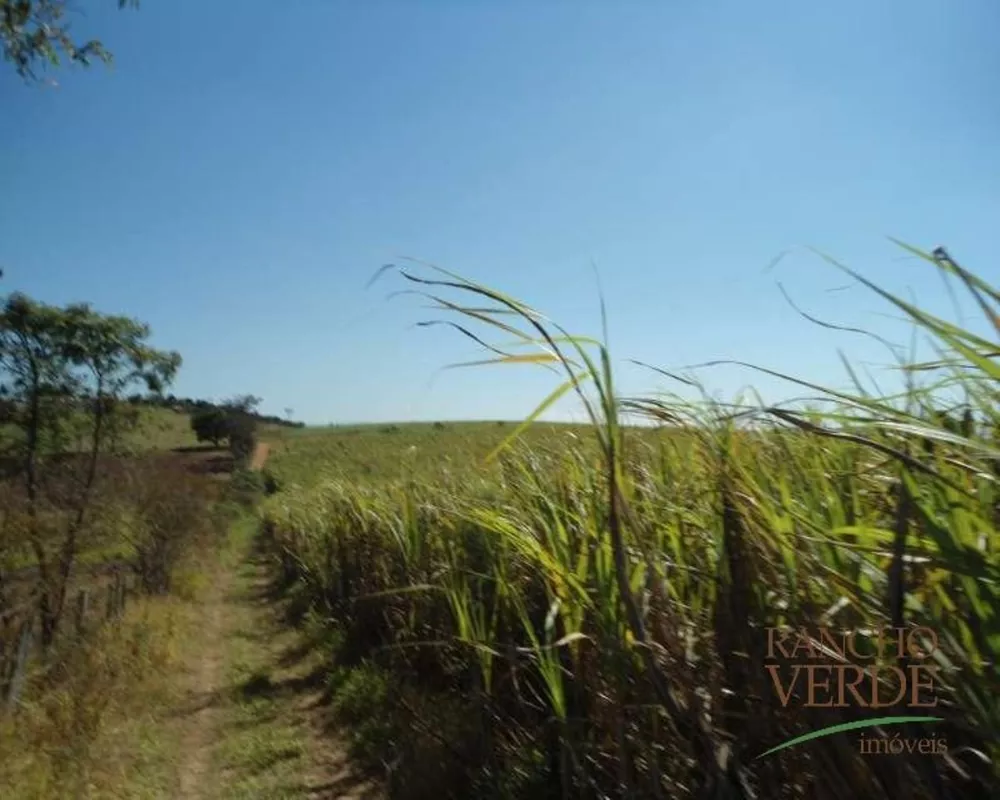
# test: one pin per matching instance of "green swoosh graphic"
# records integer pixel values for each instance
(848, 726)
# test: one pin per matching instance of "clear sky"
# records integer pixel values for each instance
(247, 166)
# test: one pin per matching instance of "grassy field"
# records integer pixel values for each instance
(439, 451)
(546, 610)
(164, 429)
(589, 615)
(155, 429)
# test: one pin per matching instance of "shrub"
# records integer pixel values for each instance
(246, 486)
(171, 511)
(271, 483)
(210, 425)
(242, 438)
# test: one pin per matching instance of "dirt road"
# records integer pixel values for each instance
(201, 722)
(253, 723)
(260, 454)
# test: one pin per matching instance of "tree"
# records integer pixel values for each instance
(234, 420)
(67, 369)
(210, 425)
(243, 403)
(242, 424)
(36, 31)
(242, 436)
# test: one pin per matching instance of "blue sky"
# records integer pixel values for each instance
(246, 167)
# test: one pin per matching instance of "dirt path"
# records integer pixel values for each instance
(280, 741)
(254, 723)
(205, 689)
(260, 454)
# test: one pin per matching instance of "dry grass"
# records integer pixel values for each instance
(89, 727)
(88, 721)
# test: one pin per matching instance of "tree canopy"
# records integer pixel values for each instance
(234, 421)
(77, 351)
(66, 368)
(210, 425)
(37, 32)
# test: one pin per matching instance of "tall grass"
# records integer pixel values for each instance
(84, 724)
(591, 621)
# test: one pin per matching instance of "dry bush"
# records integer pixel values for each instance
(172, 513)
(75, 734)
